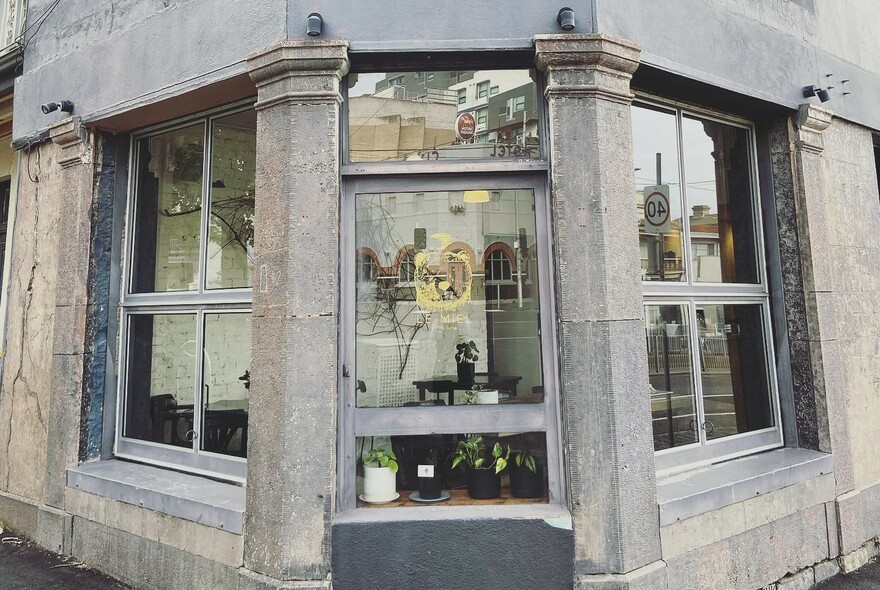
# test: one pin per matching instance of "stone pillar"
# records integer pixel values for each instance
(74, 190)
(606, 408)
(292, 445)
(818, 340)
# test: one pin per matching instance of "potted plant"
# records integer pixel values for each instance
(380, 467)
(526, 480)
(465, 357)
(430, 486)
(484, 467)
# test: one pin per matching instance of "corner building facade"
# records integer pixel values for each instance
(631, 259)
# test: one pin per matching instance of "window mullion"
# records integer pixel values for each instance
(199, 397)
(687, 259)
(696, 362)
(206, 207)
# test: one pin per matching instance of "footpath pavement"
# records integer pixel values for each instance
(866, 577)
(24, 566)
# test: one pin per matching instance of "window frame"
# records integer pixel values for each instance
(692, 293)
(199, 303)
(358, 422)
(349, 167)
(423, 176)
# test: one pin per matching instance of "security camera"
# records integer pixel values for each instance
(65, 106)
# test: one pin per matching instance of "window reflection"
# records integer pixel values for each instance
(655, 145)
(169, 205)
(162, 358)
(719, 193)
(463, 273)
(412, 116)
(231, 222)
(670, 372)
(227, 359)
(733, 365)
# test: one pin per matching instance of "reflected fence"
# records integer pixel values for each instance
(714, 354)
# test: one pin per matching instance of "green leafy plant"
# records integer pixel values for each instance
(470, 395)
(473, 453)
(525, 459)
(466, 352)
(384, 457)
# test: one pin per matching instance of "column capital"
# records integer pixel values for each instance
(812, 121)
(72, 138)
(587, 65)
(299, 72)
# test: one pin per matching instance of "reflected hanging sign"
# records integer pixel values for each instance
(465, 126)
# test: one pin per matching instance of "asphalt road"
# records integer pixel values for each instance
(24, 566)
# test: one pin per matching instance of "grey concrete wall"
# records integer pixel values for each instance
(391, 25)
(109, 57)
(27, 370)
(768, 49)
(852, 214)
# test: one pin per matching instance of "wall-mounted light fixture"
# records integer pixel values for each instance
(315, 25)
(816, 91)
(476, 197)
(65, 106)
(565, 18)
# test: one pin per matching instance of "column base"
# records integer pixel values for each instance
(648, 577)
(251, 580)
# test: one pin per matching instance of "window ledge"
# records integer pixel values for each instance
(553, 514)
(190, 497)
(689, 494)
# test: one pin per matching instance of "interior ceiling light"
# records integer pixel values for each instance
(476, 196)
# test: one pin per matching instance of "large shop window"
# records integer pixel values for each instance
(713, 387)
(186, 322)
(447, 352)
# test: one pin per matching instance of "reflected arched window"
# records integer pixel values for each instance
(367, 270)
(498, 267)
(406, 269)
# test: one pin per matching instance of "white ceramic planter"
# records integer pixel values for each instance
(487, 396)
(379, 483)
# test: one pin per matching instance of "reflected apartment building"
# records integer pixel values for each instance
(319, 296)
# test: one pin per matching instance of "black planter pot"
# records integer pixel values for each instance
(465, 372)
(524, 483)
(430, 487)
(483, 484)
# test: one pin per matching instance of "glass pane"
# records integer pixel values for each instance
(719, 190)
(161, 378)
(655, 137)
(431, 328)
(733, 363)
(486, 114)
(168, 211)
(231, 223)
(426, 477)
(227, 383)
(671, 374)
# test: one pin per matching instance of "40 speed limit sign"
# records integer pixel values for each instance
(657, 214)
